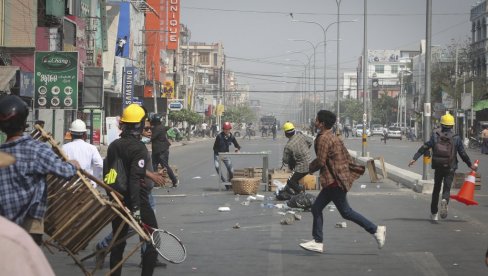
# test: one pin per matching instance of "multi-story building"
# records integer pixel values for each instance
(479, 35)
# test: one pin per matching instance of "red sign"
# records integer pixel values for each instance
(173, 24)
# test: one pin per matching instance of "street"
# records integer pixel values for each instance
(262, 246)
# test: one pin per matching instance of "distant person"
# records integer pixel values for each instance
(85, 153)
(296, 155)
(248, 131)
(332, 159)
(445, 145)
(222, 144)
(160, 148)
(346, 131)
(120, 46)
(484, 136)
(274, 129)
(385, 134)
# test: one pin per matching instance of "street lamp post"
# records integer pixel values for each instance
(338, 59)
(427, 107)
(314, 78)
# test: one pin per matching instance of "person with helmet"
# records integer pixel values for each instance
(222, 144)
(134, 156)
(160, 148)
(445, 145)
(296, 155)
(23, 193)
(85, 153)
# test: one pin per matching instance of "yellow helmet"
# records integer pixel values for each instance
(288, 127)
(447, 120)
(133, 113)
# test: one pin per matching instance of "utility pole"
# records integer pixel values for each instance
(154, 89)
(427, 104)
(365, 79)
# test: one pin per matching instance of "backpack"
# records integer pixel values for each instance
(443, 150)
(114, 175)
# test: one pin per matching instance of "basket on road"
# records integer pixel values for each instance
(245, 186)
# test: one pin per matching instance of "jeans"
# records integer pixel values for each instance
(163, 159)
(293, 182)
(339, 197)
(441, 176)
(228, 164)
(150, 254)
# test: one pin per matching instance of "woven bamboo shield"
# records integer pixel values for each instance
(245, 186)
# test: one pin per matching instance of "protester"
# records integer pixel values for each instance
(336, 179)
(160, 148)
(385, 134)
(222, 144)
(85, 153)
(296, 155)
(23, 193)
(134, 155)
(248, 131)
(484, 136)
(120, 46)
(445, 145)
(274, 130)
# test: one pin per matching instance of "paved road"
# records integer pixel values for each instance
(262, 246)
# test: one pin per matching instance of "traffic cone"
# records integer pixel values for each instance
(466, 193)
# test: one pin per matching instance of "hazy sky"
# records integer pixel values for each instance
(261, 29)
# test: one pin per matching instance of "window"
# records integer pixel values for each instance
(215, 59)
(204, 58)
(379, 69)
(394, 69)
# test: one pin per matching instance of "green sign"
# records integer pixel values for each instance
(56, 80)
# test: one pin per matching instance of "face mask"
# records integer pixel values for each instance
(145, 140)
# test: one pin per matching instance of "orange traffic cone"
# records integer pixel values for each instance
(466, 193)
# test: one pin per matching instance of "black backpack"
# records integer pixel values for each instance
(443, 150)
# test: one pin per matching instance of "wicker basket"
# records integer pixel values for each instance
(245, 186)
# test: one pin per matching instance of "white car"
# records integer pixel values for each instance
(377, 130)
(359, 131)
(394, 133)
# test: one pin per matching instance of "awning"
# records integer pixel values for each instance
(480, 105)
(7, 73)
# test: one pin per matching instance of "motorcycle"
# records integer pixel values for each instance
(174, 134)
(474, 143)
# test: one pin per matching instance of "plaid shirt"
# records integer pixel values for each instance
(330, 147)
(297, 153)
(23, 189)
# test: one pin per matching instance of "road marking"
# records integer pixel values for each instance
(424, 263)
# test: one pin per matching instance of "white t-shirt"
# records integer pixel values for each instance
(204, 126)
(87, 155)
(122, 42)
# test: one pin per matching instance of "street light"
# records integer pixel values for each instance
(324, 30)
(314, 75)
(338, 59)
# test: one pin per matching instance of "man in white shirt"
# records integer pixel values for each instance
(85, 153)
(120, 46)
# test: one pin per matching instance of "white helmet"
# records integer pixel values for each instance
(78, 126)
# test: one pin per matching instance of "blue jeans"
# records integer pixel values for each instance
(339, 197)
(228, 164)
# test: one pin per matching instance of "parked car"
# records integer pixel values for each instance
(394, 133)
(377, 130)
(359, 131)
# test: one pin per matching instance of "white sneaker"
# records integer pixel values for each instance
(434, 217)
(443, 209)
(380, 236)
(313, 246)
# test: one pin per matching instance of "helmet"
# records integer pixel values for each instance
(13, 113)
(227, 125)
(288, 126)
(133, 113)
(447, 120)
(78, 126)
(155, 119)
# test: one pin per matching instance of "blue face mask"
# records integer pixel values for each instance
(145, 140)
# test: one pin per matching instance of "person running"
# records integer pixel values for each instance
(222, 144)
(23, 192)
(160, 148)
(85, 153)
(484, 136)
(296, 155)
(333, 161)
(445, 145)
(134, 155)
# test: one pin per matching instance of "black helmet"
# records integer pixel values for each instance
(155, 119)
(13, 114)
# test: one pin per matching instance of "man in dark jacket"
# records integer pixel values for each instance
(134, 156)
(444, 162)
(222, 143)
(160, 148)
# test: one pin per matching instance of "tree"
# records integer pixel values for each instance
(384, 110)
(240, 114)
(352, 109)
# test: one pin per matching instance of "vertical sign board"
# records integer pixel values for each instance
(173, 24)
(93, 87)
(128, 86)
(56, 80)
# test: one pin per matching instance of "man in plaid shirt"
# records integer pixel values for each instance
(23, 193)
(296, 155)
(336, 179)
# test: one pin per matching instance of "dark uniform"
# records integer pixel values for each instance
(221, 144)
(134, 155)
(160, 151)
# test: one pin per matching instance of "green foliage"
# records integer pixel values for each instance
(352, 109)
(240, 114)
(185, 115)
(384, 110)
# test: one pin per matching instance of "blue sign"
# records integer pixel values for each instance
(128, 86)
(175, 106)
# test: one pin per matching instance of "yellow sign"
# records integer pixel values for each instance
(220, 109)
(168, 89)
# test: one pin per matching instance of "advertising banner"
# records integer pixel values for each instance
(56, 80)
(128, 86)
(26, 84)
(169, 89)
(173, 24)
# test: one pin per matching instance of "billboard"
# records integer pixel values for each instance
(93, 87)
(56, 80)
(168, 89)
(173, 24)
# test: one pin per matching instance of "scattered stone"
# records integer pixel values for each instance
(237, 226)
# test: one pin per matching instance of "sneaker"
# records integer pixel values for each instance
(99, 256)
(443, 209)
(434, 217)
(313, 246)
(380, 236)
